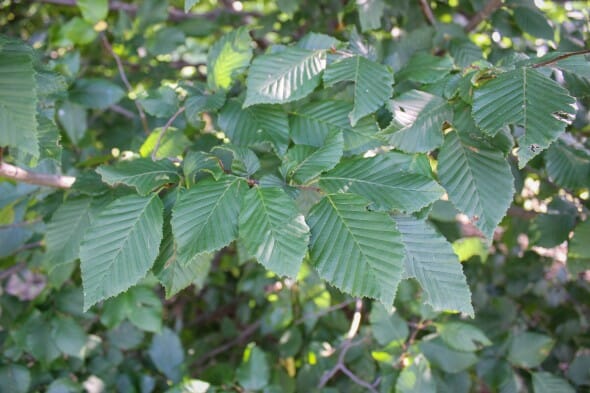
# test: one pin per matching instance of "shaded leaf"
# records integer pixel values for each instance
(304, 163)
(254, 372)
(143, 174)
(370, 13)
(544, 382)
(96, 93)
(167, 354)
(529, 349)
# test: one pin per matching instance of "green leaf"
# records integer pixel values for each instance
(380, 180)
(206, 217)
(462, 336)
(578, 369)
(388, 326)
(66, 230)
(49, 146)
(197, 164)
(579, 65)
(199, 103)
(15, 379)
(529, 349)
(317, 41)
(370, 13)
(431, 260)
(93, 11)
(417, 377)
(568, 166)
(418, 118)
(579, 247)
(18, 98)
(282, 77)
(304, 163)
(167, 354)
(531, 20)
(243, 161)
(445, 358)
(73, 119)
(161, 102)
(544, 382)
(172, 144)
(181, 271)
(228, 58)
(373, 84)
(311, 124)
(255, 125)
(273, 231)
(96, 93)
(188, 4)
(120, 246)
(254, 372)
(425, 68)
(479, 182)
(139, 304)
(527, 98)
(70, 338)
(143, 174)
(356, 250)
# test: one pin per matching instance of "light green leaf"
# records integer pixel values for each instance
(228, 58)
(425, 68)
(282, 77)
(172, 144)
(73, 119)
(356, 250)
(418, 119)
(417, 377)
(93, 11)
(544, 382)
(304, 163)
(273, 231)
(380, 180)
(462, 336)
(120, 246)
(206, 217)
(143, 174)
(468, 247)
(568, 165)
(431, 260)
(18, 98)
(373, 84)
(388, 326)
(312, 123)
(188, 4)
(527, 98)
(479, 182)
(255, 125)
(96, 93)
(370, 13)
(254, 372)
(529, 349)
(167, 354)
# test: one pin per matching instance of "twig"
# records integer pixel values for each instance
(483, 14)
(174, 14)
(427, 11)
(122, 111)
(39, 179)
(123, 75)
(164, 129)
(560, 57)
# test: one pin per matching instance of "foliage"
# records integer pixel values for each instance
(290, 196)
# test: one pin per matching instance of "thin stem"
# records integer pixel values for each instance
(427, 11)
(39, 179)
(561, 57)
(123, 75)
(483, 14)
(164, 129)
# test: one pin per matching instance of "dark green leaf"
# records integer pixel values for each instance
(143, 174)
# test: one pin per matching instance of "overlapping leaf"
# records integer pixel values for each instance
(527, 98)
(370, 13)
(120, 246)
(373, 84)
(304, 163)
(285, 76)
(18, 98)
(311, 124)
(143, 174)
(431, 260)
(356, 250)
(418, 119)
(206, 217)
(544, 382)
(228, 58)
(380, 180)
(273, 231)
(479, 182)
(568, 166)
(255, 125)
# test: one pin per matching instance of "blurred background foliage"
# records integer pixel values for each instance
(122, 70)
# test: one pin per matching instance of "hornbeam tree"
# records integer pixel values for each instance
(376, 195)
